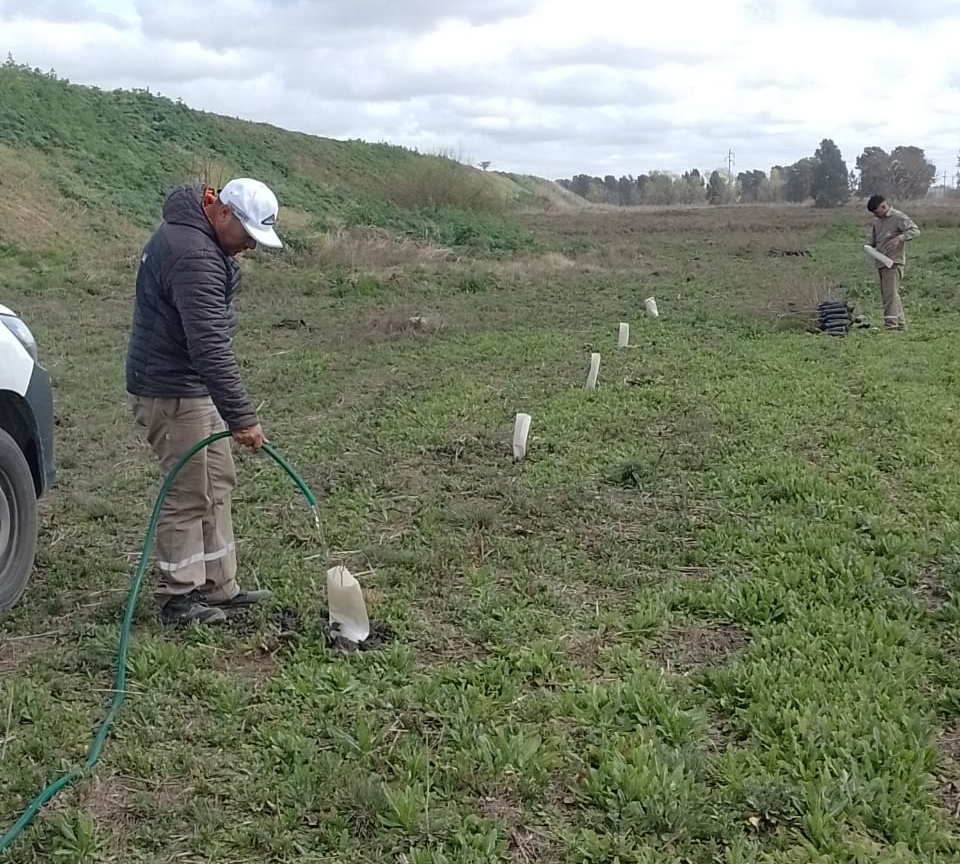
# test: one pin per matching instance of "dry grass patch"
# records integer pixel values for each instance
(529, 267)
(442, 181)
(933, 213)
(776, 243)
(682, 650)
(116, 807)
(948, 780)
(32, 212)
(17, 651)
(256, 665)
(788, 297)
(387, 325)
(440, 643)
(527, 844)
(930, 592)
(534, 846)
(35, 215)
(365, 248)
(713, 222)
(585, 649)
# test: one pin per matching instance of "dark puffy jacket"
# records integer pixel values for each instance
(181, 341)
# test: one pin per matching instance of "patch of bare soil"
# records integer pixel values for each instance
(286, 628)
(119, 804)
(584, 649)
(776, 252)
(16, 651)
(256, 665)
(502, 806)
(481, 447)
(930, 592)
(383, 326)
(381, 634)
(258, 661)
(529, 844)
(684, 649)
(948, 778)
(406, 479)
(534, 845)
(444, 643)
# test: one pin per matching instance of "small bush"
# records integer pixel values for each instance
(440, 181)
(789, 301)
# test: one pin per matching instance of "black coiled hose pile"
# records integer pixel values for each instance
(835, 317)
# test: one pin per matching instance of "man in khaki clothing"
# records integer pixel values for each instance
(891, 230)
(183, 384)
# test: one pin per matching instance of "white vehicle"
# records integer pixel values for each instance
(26, 452)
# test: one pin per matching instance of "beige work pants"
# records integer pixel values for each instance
(194, 541)
(890, 279)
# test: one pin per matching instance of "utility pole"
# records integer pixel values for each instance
(730, 164)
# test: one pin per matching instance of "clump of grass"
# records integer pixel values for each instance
(441, 181)
(788, 298)
(365, 247)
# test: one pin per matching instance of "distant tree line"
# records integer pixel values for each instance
(823, 178)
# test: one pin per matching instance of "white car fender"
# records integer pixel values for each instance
(16, 365)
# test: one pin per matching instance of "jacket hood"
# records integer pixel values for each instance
(184, 206)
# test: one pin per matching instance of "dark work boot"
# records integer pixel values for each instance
(185, 608)
(242, 599)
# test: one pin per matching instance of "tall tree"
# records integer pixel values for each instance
(875, 176)
(690, 187)
(831, 184)
(771, 189)
(798, 180)
(912, 173)
(715, 188)
(660, 189)
(611, 189)
(749, 182)
(580, 185)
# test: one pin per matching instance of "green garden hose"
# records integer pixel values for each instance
(120, 682)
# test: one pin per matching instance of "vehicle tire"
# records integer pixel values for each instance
(18, 522)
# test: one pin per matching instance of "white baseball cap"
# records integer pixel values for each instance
(256, 207)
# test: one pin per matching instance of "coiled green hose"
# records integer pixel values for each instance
(121, 675)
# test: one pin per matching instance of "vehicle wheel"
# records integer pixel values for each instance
(18, 522)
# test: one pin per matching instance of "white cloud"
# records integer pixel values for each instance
(892, 10)
(551, 87)
(63, 11)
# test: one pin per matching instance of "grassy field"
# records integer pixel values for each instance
(710, 618)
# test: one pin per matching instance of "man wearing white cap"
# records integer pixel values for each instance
(183, 384)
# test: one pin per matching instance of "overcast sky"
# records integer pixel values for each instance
(547, 87)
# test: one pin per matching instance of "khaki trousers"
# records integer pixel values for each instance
(194, 541)
(890, 279)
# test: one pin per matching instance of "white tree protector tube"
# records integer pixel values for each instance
(594, 371)
(347, 608)
(651, 305)
(521, 429)
(624, 337)
(879, 256)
